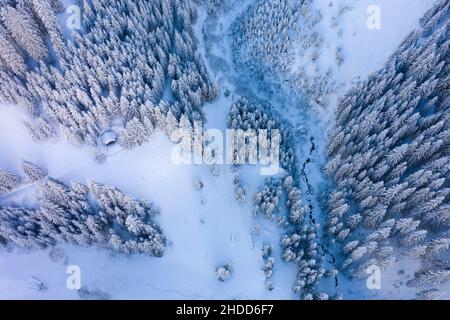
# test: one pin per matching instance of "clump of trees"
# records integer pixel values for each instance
(83, 215)
(33, 172)
(268, 262)
(273, 36)
(301, 247)
(254, 116)
(8, 181)
(133, 61)
(261, 36)
(267, 200)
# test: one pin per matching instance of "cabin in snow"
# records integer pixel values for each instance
(109, 138)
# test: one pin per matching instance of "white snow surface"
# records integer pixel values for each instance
(364, 50)
(187, 269)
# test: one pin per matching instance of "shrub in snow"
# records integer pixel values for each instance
(240, 191)
(224, 272)
(269, 285)
(339, 56)
(100, 155)
(58, 255)
(197, 184)
(83, 215)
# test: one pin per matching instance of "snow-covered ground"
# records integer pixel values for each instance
(344, 24)
(205, 228)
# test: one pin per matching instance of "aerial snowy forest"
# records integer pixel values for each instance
(225, 149)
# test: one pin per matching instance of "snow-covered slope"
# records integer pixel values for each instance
(345, 24)
(186, 271)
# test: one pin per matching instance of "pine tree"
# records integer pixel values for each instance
(33, 172)
(8, 181)
(240, 191)
(9, 54)
(23, 27)
(45, 11)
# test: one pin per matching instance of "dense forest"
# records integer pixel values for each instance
(389, 156)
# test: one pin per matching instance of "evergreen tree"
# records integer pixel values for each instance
(8, 181)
